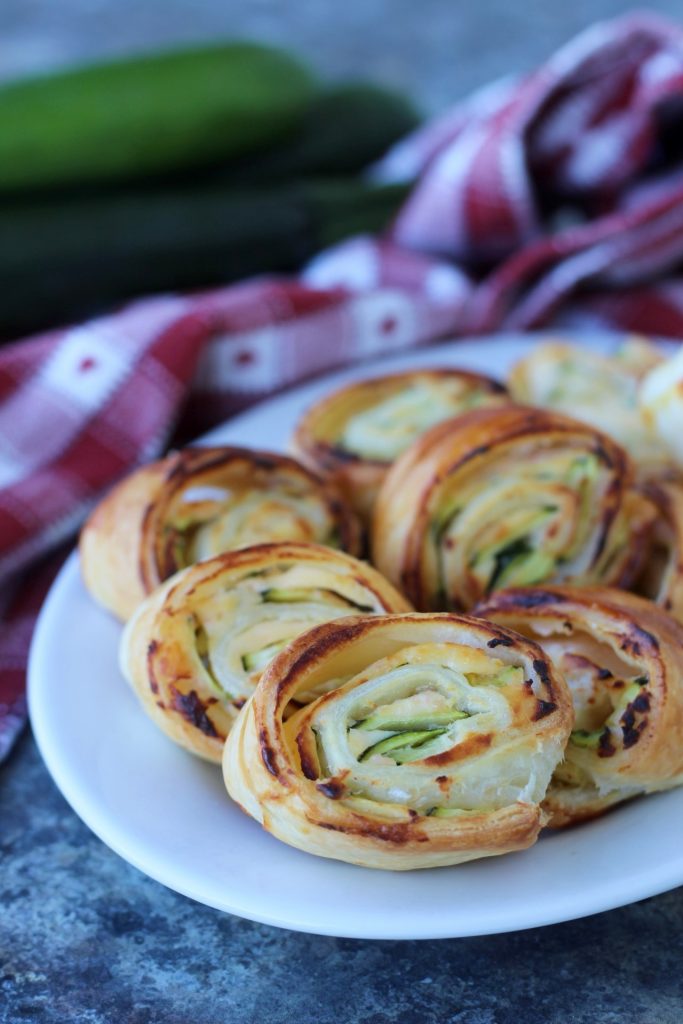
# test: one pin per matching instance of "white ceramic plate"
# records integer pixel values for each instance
(168, 814)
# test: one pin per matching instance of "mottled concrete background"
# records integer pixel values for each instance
(84, 937)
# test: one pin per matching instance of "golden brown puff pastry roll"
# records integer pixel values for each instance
(508, 496)
(355, 434)
(431, 741)
(622, 657)
(197, 646)
(661, 404)
(602, 390)
(661, 577)
(196, 503)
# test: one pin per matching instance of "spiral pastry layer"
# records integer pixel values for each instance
(353, 435)
(661, 403)
(508, 496)
(602, 390)
(661, 577)
(197, 503)
(431, 742)
(196, 648)
(622, 658)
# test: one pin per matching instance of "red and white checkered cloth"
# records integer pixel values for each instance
(554, 198)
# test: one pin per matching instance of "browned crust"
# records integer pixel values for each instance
(110, 542)
(359, 479)
(402, 513)
(667, 591)
(123, 553)
(158, 655)
(650, 756)
(291, 802)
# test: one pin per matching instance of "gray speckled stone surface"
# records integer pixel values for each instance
(84, 937)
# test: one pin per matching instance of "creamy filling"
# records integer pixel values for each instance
(600, 390)
(551, 528)
(207, 520)
(237, 637)
(435, 729)
(384, 431)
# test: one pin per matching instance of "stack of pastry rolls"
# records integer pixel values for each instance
(415, 646)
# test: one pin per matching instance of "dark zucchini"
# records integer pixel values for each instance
(69, 258)
(148, 114)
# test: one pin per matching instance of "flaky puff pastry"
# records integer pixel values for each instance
(196, 503)
(431, 741)
(508, 496)
(661, 403)
(195, 649)
(661, 577)
(353, 435)
(600, 389)
(622, 657)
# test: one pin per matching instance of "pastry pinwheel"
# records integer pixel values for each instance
(622, 657)
(602, 390)
(353, 435)
(508, 496)
(196, 503)
(661, 403)
(195, 648)
(431, 741)
(661, 578)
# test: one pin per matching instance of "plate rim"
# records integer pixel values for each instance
(651, 883)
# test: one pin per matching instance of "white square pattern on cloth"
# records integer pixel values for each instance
(86, 366)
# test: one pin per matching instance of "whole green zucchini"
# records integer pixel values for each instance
(345, 128)
(66, 258)
(148, 114)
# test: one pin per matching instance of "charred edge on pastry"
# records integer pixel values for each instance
(319, 646)
(636, 639)
(500, 641)
(543, 708)
(481, 449)
(398, 833)
(194, 460)
(610, 502)
(607, 458)
(151, 674)
(268, 754)
(193, 709)
(443, 782)
(332, 788)
(536, 599)
(605, 746)
(309, 766)
(542, 670)
(239, 703)
(343, 522)
(340, 454)
(632, 732)
(509, 600)
(604, 673)
(411, 583)
(468, 748)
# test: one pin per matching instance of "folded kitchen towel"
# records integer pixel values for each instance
(554, 199)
